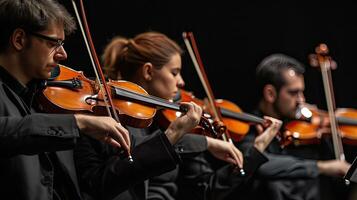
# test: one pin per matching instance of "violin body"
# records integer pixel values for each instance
(310, 131)
(347, 120)
(302, 133)
(65, 99)
(84, 96)
(238, 129)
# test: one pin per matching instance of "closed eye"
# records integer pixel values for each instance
(175, 72)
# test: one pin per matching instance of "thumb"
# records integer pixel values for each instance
(259, 128)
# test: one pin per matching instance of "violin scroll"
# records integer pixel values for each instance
(321, 56)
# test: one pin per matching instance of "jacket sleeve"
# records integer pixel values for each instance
(287, 167)
(36, 133)
(280, 166)
(191, 144)
(200, 180)
(102, 170)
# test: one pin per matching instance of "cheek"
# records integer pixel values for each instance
(284, 103)
(288, 106)
(159, 88)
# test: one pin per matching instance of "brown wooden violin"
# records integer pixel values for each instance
(314, 123)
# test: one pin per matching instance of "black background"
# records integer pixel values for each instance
(232, 37)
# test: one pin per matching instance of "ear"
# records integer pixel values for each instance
(270, 94)
(147, 71)
(18, 39)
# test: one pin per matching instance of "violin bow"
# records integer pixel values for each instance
(197, 62)
(96, 65)
(203, 77)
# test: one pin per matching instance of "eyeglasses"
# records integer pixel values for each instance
(58, 42)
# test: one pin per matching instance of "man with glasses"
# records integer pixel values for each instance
(290, 174)
(35, 149)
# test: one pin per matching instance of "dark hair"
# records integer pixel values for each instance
(33, 16)
(269, 71)
(125, 56)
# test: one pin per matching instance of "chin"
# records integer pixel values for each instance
(291, 116)
(45, 75)
(167, 97)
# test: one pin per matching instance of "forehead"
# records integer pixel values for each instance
(54, 26)
(175, 62)
(292, 78)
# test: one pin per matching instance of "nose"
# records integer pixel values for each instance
(180, 81)
(301, 97)
(60, 54)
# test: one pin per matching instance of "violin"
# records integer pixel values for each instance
(313, 123)
(236, 121)
(70, 91)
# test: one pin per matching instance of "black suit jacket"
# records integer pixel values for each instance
(26, 142)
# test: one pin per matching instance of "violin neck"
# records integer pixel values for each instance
(242, 116)
(147, 99)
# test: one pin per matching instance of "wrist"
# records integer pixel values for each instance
(209, 142)
(259, 146)
(173, 135)
(80, 118)
(321, 166)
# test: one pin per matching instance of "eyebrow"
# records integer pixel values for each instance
(45, 37)
(294, 91)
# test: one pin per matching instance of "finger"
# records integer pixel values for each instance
(238, 156)
(197, 108)
(273, 120)
(259, 128)
(125, 133)
(232, 155)
(278, 123)
(231, 160)
(241, 158)
(270, 119)
(112, 142)
(117, 136)
(188, 105)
